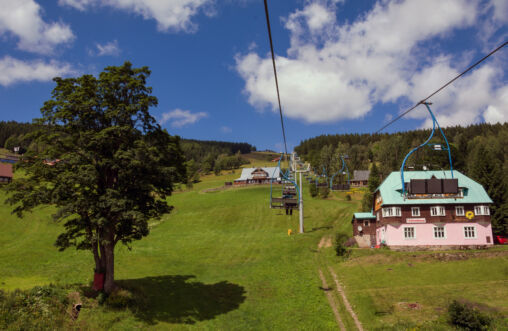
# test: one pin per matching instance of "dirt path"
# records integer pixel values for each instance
(331, 301)
(325, 242)
(344, 298)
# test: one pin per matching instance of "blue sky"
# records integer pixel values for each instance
(344, 66)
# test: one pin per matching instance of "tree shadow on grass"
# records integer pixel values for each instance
(177, 299)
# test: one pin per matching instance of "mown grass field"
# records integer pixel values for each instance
(223, 260)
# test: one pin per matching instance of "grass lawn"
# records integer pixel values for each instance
(223, 260)
(408, 289)
(220, 260)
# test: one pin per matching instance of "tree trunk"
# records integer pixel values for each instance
(109, 280)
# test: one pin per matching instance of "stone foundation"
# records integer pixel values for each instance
(437, 247)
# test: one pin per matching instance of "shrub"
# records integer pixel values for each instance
(340, 245)
(120, 299)
(42, 308)
(324, 192)
(101, 298)
(348, 197)
(468, 318)
(313, 190)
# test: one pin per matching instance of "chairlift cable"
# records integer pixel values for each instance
(442, 87)
(276, 80)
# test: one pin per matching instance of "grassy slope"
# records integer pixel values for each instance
(223, 260)
(380, 284)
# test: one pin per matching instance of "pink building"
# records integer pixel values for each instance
(438, 212)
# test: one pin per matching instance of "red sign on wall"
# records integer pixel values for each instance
(415, 220)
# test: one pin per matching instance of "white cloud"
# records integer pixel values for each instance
(22, 18)
(13, 70)
(500, 10)
(78, 4)
(498, 111)
(226, 129)
(333, 72)
(109, 48)
(180, 118)
(170, 15)
(463, 102)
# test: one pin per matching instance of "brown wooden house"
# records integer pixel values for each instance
(5, 172)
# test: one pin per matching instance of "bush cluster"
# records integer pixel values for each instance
(468, 318)
(341, 249)
(41, 308)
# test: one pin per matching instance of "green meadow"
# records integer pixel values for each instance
(223, 260)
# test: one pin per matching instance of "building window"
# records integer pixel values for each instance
(391, 212)
(459, 210)
(469, 232)
(415, 211)
(365, 223)
(377, 216)
(409, 233)
(481, 210)
(439, 232)
(437, 211)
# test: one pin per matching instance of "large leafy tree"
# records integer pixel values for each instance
(114, 166)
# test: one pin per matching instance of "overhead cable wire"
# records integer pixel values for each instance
(275, 74)
(443, 87)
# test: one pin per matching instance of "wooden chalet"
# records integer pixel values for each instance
(252, 176)
(437, 212)
(360, 178)
(5, 173)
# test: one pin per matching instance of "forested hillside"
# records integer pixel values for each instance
(480, 151)
(201, 156)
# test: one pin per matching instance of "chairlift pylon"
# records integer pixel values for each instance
(426, 143)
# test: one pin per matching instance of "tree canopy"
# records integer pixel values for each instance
(112, 166)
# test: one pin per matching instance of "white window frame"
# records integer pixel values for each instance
(484, 210)
(366, 223)
(438, 210)
(475, 233)
(463, 213)
(377, 216)
(413, 213)
(391, 212)
(413, 232)
(439, 227)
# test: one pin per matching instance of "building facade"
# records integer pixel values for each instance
(5, 172)
(264, 175)
(360, 178)
(435, 211)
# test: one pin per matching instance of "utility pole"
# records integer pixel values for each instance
(301, 203)
(295, 167)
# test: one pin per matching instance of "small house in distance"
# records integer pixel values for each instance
(364, 229)
(437, 212)
(360, 178)
(5, 172)
(265, 175)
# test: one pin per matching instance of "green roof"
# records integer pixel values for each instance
(364, 215)
(391, 188)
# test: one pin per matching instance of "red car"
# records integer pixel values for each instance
(500, 240)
